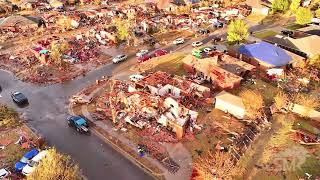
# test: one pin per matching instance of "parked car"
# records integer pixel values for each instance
(143, 58)
(160, 52)
(203, 31)
(79, 123)
(197, 53)
(19, 98)
(207, 50)
(119, 58)
(142, 52)
(135, 77)
(197, 43)
(218, 24)
(4, 173)
(287, 33)
(29, 168)
(25, 160)
(178, 41)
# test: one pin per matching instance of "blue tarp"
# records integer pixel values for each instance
(266, 52)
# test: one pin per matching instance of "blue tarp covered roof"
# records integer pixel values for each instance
(266, 52)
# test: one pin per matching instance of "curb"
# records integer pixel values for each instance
(97, 132)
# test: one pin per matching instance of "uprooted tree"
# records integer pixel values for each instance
(237, 31)
(215, 165)
(8, 117)
(57, 50)
(253, 102)
(281, 100)
(308, 101)
(56, 166)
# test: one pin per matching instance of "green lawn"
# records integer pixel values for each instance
(294, 26)
(264, 34)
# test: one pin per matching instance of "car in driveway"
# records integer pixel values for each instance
(160, 52)
(142, 53)
(119, 58)
(4, 173)
(19, 98)
(135, 77)
(25, 159)
(198, 53)
(197, 43)
(178, 41)
(79, 123)
(144, 58)
(29, 168)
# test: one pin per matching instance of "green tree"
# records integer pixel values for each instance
(303, 16)
(318, 13)
(295, 4)
(237, 31)
(280, 5)
(56, 166)
(122, 29)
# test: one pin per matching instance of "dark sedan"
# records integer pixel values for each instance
(19, 98)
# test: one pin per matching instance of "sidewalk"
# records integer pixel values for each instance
(176, 151)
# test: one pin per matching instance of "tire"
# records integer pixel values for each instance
(69, 123)
(78, 129)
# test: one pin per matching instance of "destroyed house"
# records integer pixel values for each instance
(139, 108)
(223, 71)
(161, 83)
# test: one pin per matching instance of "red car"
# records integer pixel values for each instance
(160, 52)
(144, 58)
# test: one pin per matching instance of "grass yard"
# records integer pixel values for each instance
(294, 26)
(170, 63)
(264, 34)
(267, 90)
(255, 17)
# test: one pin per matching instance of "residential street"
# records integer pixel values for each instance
(48, 110)
(47, 113)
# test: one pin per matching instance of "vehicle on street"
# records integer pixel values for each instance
(25, 160)
(19, 98)
(4, 173)
(79, 123)
(29, 168)
(144, 58)
(136, 77)
(197, 44)
(160, 52)
(207, 50)
(142, 53)
(178, 41)
(119, 58)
